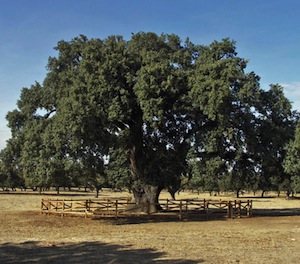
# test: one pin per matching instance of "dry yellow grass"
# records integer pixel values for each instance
(28, 237)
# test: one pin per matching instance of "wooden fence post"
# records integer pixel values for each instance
(249, 208)
(207, 206)
(229, 210)
(89, 204)
(42, 205)
(63, 208)
(116, 208)
(235, 209)
(180, 210)
(239, 203)
(86, 208)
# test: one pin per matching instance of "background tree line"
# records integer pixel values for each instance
(151, 113)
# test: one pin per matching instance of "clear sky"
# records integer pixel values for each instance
(267, 33)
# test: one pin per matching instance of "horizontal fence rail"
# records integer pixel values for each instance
(124, 206)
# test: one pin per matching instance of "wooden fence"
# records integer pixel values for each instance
(124, 207)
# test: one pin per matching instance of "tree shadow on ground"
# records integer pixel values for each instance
(214, 215)
(277, 212)
(87, 252)
(163, 218)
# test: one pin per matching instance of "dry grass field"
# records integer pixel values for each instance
(272, 235)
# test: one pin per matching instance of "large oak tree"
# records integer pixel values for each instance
(148, 107)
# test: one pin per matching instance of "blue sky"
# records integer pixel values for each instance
(267, 33)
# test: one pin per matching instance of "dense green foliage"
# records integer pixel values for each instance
(292, 163)
(145, 113)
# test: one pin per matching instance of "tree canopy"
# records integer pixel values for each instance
(145, 112)
(292, 162)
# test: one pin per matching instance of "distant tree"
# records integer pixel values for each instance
(195, 180)
(275, 128)
(292, 162)
(11, 175)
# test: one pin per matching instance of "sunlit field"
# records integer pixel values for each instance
(272, 235)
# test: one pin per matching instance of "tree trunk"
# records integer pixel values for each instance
(288, 193)
(97, 191)
(172, 193)
(145, 193)
(147, 198)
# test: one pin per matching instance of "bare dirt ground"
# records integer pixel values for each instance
(272, 235)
